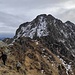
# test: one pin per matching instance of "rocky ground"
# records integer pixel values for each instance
(35, 58)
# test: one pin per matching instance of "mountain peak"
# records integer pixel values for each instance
(42, 25)
(38, 27)
(58, 37)
(45, 16)
(42, 15)
(50, 16)
(69, 22)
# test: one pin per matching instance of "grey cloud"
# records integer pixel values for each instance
(15, 12)
(9, 20)
(26, 6)
(32, 4)
(67, 15)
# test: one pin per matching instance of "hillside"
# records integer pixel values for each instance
(35, 58)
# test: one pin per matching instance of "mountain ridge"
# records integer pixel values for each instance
(46, 26)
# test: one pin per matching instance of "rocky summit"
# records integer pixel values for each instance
(44, 46)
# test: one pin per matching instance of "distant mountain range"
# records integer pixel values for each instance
(6, 35)
(1, 38)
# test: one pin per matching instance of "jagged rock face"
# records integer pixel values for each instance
(42, 25)
(52, 30)
(36, 28)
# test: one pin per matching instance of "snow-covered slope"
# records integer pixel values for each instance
(34, 29)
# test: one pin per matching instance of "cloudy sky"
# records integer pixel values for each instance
(15, 12)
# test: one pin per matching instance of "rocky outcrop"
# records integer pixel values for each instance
(2, 44)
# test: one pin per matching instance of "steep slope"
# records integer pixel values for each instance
(59, 37)
(37, 59)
